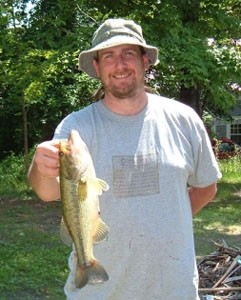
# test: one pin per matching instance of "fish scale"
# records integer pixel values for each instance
(78, 228)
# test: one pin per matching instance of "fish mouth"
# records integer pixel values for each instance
(70, 163)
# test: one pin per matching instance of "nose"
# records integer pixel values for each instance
(120, 60)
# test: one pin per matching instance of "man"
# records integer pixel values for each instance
(155, 155)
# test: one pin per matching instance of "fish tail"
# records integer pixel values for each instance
(81, 277)
(94, 273)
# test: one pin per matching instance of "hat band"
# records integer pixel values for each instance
(117, 32)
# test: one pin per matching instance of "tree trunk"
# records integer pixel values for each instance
(25, 135)
(191, 97)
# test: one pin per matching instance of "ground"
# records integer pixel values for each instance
(33, 263)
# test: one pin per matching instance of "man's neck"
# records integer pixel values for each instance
(128, 106)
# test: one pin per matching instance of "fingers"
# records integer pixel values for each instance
(47, 158)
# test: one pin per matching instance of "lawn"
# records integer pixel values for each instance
(221, 219)
(33, 263)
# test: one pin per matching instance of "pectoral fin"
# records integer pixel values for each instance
(82, 190)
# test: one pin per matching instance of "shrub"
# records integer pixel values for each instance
(13, 181)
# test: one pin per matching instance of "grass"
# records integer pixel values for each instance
(33, 264)
(33, 259)
(221, 219)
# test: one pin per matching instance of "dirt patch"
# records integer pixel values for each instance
(46, 215)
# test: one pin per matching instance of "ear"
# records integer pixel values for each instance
(96, 67)
(146, 62)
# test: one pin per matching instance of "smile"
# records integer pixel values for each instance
(121, 76)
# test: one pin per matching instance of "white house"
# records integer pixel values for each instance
(229, 129)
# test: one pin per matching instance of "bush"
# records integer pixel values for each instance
(13, 181)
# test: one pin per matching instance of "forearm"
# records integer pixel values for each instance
(47, 188)
(200, 197)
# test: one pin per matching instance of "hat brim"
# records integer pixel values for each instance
(86, 57)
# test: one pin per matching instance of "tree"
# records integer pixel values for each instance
(192, 69)
(39, 80)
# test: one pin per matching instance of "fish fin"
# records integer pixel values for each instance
(82, 190)
(104, 185)
(99, 185)
(102, 232)
(91, 274)
(81, 277)
(64, 234)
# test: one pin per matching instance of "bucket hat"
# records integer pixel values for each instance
(115, 32)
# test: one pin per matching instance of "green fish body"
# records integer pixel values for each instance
(81, 223)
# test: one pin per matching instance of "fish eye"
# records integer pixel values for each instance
(61, 153)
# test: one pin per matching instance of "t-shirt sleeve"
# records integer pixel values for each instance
(63, 129)
(206, 169)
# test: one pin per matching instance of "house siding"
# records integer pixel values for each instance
(229, 129)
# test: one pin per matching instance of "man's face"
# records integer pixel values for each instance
(121, 70)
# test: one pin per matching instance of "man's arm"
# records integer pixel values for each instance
(44, 171)
(200, 197)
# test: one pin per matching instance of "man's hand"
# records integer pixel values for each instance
(46, 158)
(44, 171)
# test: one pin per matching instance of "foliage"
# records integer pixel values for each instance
(39, 80)
(13, 178)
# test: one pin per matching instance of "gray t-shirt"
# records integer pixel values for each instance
(148, 160)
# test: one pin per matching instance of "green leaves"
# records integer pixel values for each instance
(39, 52)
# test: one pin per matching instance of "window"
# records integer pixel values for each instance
(235, 132)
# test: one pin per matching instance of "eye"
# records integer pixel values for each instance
(130, 53)
(108, 56)
(61, 153)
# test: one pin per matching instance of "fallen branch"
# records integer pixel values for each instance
(220, 289)
(220, 272)
(229, 270)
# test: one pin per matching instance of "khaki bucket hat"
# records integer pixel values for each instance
(115, 32)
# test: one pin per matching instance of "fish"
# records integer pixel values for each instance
(81, 223)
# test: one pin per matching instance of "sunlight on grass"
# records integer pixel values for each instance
(221, 219)
(218, 226)
(231, 170)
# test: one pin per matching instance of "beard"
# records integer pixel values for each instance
(122, 91)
